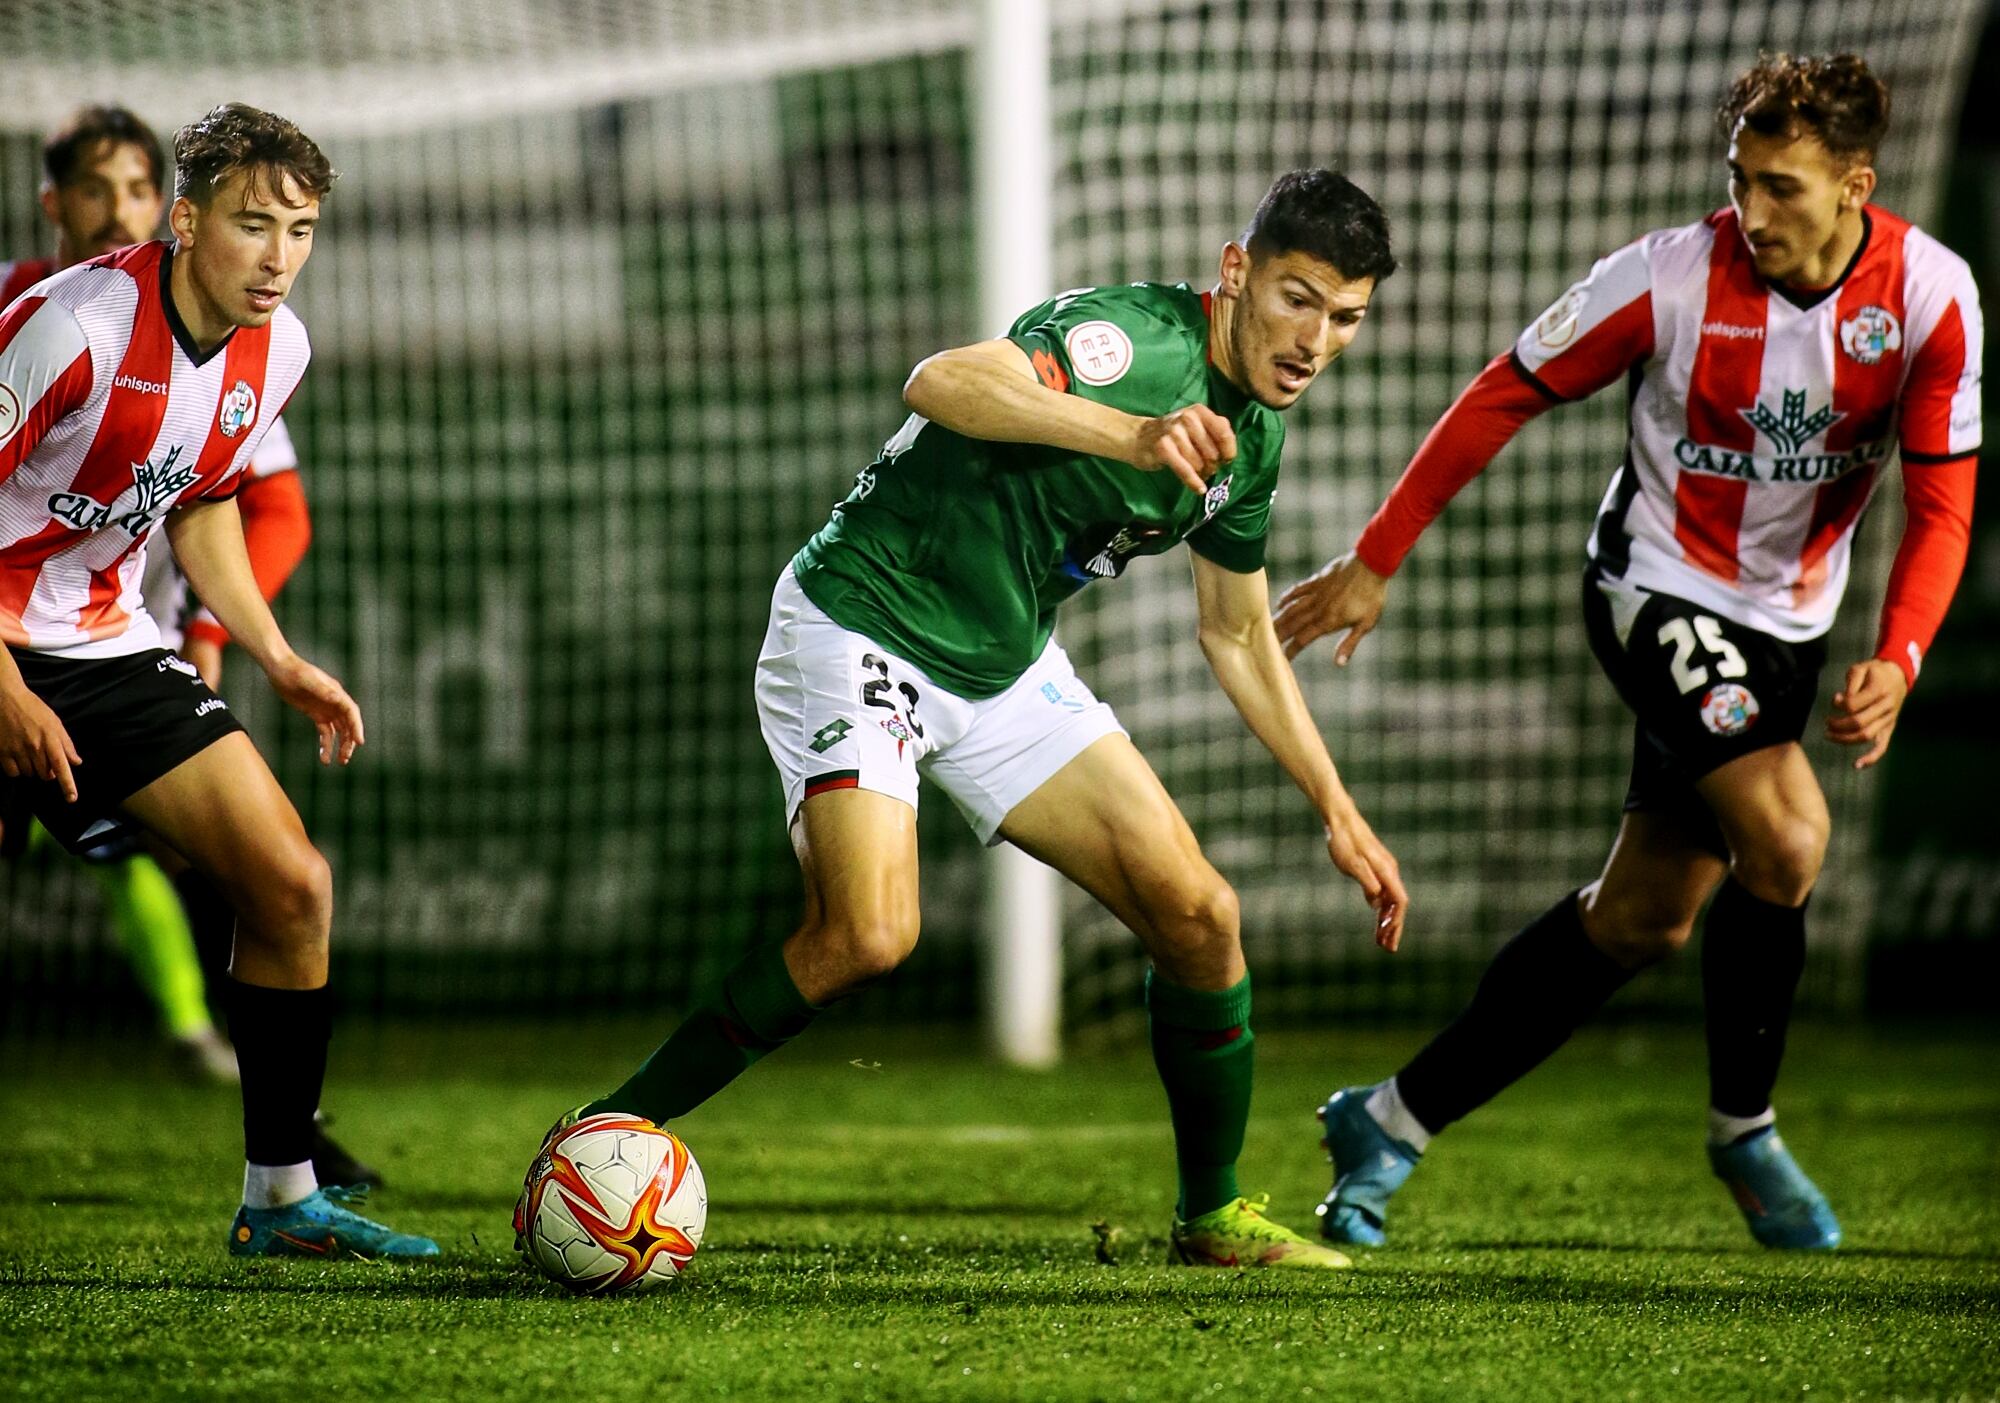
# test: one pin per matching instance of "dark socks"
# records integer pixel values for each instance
(1752, 953)
(281, 1037)
(754, 1011)
(211, 918)
(1205, 1051)
(1541, 986)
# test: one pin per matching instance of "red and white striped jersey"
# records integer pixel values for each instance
(109, 417)
(1762, 418)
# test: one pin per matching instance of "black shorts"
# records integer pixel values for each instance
(132, 719)
(1705, 689)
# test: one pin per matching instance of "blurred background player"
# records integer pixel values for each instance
(913, 635)
(143, 382)
(103, 188)
(1777, 353)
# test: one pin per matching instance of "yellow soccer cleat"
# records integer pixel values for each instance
(1239, 1235)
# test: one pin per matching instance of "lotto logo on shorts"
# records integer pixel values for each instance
(1728, 709)
(1055, 696)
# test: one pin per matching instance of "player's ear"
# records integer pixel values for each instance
(1858, 186)
(49, 205)
(182, 218)
(1235, 269)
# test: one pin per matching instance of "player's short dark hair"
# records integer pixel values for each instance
(235, 137)
(88, 128)
(1323, 213)
(1836, 99)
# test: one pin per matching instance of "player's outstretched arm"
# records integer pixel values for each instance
(277, 528)
(1242, 649)
(207, 539)
(989, 390)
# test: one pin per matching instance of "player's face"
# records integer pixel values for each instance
(110, 201)
(246, 245)
(1291, 315)
(1790, 195)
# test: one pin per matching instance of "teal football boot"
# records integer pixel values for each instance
(1368, 1165)
(320, 1225)
(1783, 1208)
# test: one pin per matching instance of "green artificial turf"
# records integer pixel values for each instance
(892, 1218)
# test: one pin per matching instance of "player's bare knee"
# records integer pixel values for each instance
(1637, 928)
(866, 948)
(1782, 863)
(1196, 923)
(289, 897)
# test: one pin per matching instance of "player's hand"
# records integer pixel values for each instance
(206, 656)
(308, 689)
(1865, 711)
(1344, 594)
(33, 743)
(1355, 850)
(1191, 443)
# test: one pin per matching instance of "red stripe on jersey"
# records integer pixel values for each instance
(1835, 508)
(244, 363)
(1865, 386)
(1934, 378)
(1727, 373)
(67, 392)
(126, 437)
(1708, 514)
(23, 567)
(1728, 363)
(1607, 351)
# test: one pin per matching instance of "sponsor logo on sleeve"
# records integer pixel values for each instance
(11, 416)
(1099, 352)
(1729, 709)
(239, 407)
(1557, 327)
(1870, 334)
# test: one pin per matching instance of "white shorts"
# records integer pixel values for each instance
(839, 711)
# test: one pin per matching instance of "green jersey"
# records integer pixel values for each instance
(955, 552)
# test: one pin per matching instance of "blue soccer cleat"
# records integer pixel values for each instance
(1368, 1165)
(1783, 1207)
(320, 1225)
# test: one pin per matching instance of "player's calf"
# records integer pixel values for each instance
(1637, 924)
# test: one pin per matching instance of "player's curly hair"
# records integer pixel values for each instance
(1323, 213)
(87, 128)
(235, 137)
(1835, 98)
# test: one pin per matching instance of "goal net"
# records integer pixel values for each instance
(613, 300)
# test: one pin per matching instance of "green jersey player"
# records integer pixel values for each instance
(913, 635)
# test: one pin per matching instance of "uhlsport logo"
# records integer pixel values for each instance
(239, 407)
(10, 411)
(1870, 334)
(1729, 709)
(1099, 352)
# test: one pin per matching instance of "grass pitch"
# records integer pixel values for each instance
(890, 1218)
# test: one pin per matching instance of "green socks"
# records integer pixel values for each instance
(146, 912)
(756, 1009)
(1205, 1051)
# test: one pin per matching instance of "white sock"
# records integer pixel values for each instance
(1386, 1105)
(1727, 1130)
(276, 1185)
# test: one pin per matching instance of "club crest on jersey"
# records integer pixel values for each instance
(1729, 709)
(154, 488)
(1791, 429)
(1216, 498)
(1870, 334)
(239, 407)
(1557, 327)
(1099, 352)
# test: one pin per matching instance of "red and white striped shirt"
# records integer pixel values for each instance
(1761, 420)
(109, 417)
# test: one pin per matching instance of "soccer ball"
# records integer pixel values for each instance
(613, 1203)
